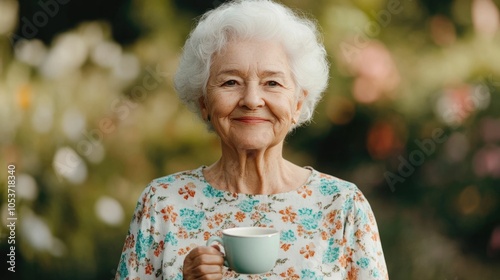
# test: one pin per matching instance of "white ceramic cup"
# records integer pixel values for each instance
(249, 250)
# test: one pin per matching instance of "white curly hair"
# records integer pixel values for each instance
(254, 19)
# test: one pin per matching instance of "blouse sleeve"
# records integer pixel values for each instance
(363, 249)
(141, 256)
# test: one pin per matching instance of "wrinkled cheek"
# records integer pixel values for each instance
(286, 119)
(221, 125)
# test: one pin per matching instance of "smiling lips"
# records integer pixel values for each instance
(250, 120)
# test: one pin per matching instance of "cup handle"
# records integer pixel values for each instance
(213, 239)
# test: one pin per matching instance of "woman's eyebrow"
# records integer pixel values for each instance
(263, 74)
(271, 73)
(235, 72)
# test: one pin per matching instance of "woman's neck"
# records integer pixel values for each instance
(255, 172)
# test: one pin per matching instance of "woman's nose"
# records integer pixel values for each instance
(252, 97)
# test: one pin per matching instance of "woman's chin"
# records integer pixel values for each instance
(253, 144)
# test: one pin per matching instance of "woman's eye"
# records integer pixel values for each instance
(273, 83)
(230, 83)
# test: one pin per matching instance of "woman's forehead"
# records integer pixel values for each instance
(267, 57)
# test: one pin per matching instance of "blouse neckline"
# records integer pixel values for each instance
(309, 180)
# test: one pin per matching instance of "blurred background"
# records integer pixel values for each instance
(88, 116)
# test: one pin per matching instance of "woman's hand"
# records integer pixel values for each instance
(204, 262)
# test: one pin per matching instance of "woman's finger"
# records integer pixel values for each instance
(204, 262)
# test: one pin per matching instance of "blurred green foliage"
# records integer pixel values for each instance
(88, 115)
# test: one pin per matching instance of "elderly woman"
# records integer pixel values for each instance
(253, 71)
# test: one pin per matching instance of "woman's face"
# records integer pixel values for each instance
(251, 97)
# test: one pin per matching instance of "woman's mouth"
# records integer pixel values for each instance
(251, 120)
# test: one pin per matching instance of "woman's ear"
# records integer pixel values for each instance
(300, 100)
(203, 107)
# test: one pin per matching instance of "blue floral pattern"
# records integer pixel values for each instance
(307, 274)
(211, 192)
(288, 236)
(191, 219)
(328, 188)
(332, 253)
(309, 219)
(248, 205)
(170, 238)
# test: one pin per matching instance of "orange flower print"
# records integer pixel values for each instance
(285, 246)
(145, 200)
(308, 251)
(304, 191)
(169, 214)
(182, 233)
(344, 241)
(184, 251)
(343, 261)
(164, 185)
(367, 228)
(338, 224)
(240, 216)
(359, 197)
(206, 235)
(353, 274)
(255, 216)
(129, 242)
(330, 217)
(133, 261)
(144, 213)
(219, 219)
(324, 235)
(348, 251)
(288, 215)
(187, 191)
(160, 248)
(290, 274)
(371, 217)
(300, 230)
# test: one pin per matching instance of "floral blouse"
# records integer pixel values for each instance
(328, 230)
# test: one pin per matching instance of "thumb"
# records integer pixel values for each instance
(217, 247)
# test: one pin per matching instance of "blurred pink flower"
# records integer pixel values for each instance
(494, 246)
(485, 18)
(375, 71)
(487, 162)
(457, 103)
